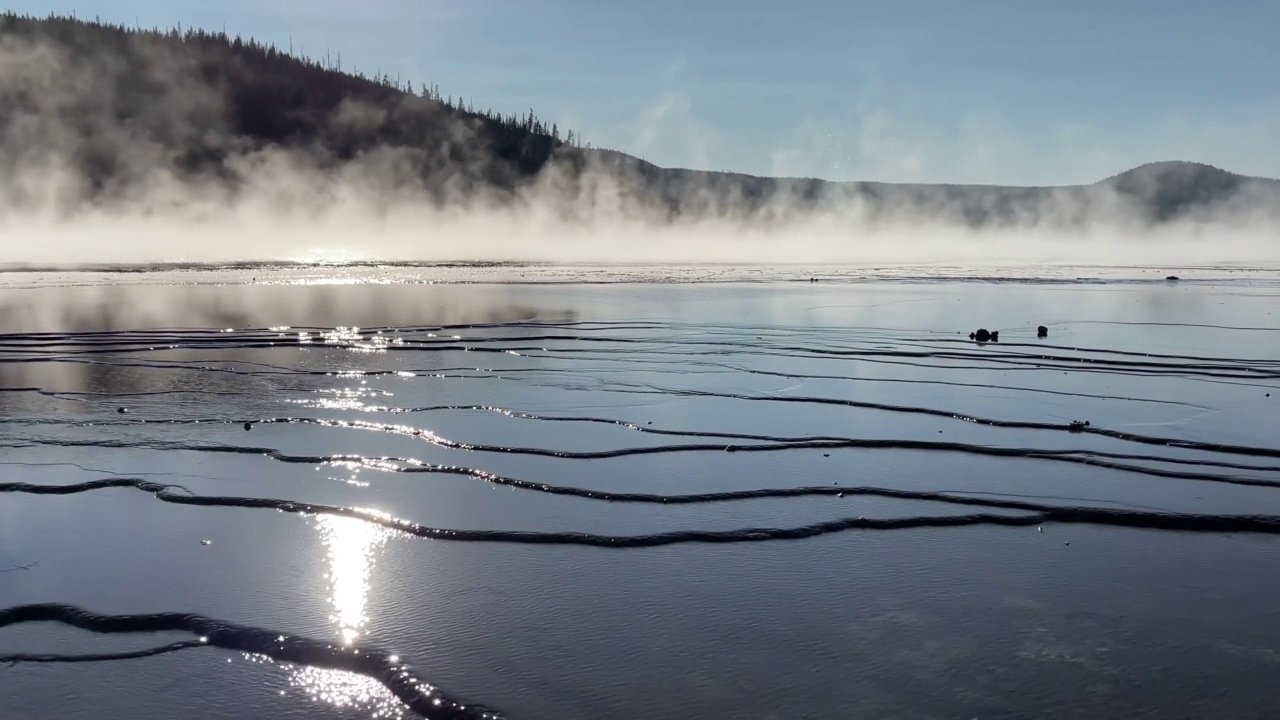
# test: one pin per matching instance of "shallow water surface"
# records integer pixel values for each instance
(251, 493)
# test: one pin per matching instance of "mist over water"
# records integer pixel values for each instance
(97, 152)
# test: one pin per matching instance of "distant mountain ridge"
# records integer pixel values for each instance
(117, 104)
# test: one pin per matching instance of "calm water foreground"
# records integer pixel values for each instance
(678, 499)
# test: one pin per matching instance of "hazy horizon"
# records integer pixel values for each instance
(293, 203)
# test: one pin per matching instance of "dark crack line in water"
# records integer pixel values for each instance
(1067, 456)
(1074, 456)
(990, 422)
(420, 696)
(82, 468)
(1221, 378)
(1026, 425)
(1032, 514)
(783, 442)
(22, 658)
(219, 339)
(945, 383)
(490, 374)
(680, 359)
(1219, 368)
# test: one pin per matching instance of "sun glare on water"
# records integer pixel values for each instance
(352, 546)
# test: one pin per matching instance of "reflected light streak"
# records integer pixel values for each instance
(351, 546)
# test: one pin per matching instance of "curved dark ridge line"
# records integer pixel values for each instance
(794, 350)
(831, 438)
(1132, 437)
(1135, 374)
(220, 337)
(992, 362)
(35, 390)
(217, 342)
(947, 383)
(430, 468)
(1108, 351)
(1077, 457)
(1036, 514)
(1025, 345)
(783, 441)
(1073, 456)
(1016, 360)
(1220, 369)
(217, 338)
(1160, 472)
(194, 366)
(593, 325)
(994, 365)
(79, 395)
(236, 338)
(1207, 362)
(423, 698)
(605, 325)
(443, 373)
(992, 493)
(1067, 456)
(1018, 424)
(1015, 367)
(100, 657)
(774, 443)
(1046, 361)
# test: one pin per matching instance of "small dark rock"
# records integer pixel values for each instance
(122, 410)
(731, 448)
(982, 335)
(248, 426)
(839, 495)
(829, 454)
(1173, 277)
(995, 336)
(1042, 331)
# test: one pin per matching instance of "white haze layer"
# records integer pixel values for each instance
(285, 207)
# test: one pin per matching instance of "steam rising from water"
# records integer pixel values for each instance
(274, 203)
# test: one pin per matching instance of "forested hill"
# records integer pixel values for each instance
(115, 105)
(207, 97)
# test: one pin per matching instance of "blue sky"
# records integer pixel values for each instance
(994, 91)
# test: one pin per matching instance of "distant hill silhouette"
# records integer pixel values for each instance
(114, 104)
